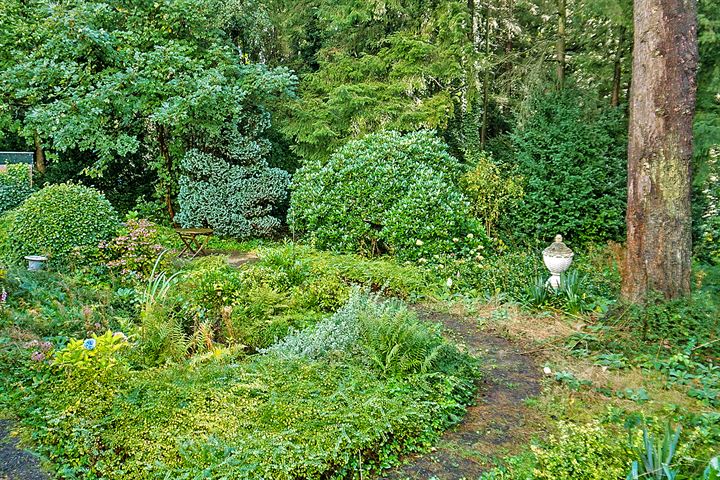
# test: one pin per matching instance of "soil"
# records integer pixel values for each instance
(235, 258)
(16, 463)
(498, 424)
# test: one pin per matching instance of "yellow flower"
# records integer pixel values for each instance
(419, 242)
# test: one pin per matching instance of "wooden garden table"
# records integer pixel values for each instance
(193, 246)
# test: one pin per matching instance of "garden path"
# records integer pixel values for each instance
(237, 258)
(16, 463)
(499, 424)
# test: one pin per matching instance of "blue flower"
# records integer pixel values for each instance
(89, 344)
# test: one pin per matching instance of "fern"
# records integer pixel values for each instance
(162, 337)
(383, 334)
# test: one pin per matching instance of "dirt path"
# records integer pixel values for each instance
(498, 424)
(236, 258)
(16, 463)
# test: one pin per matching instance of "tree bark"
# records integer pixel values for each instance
(560, 46)
(617, 70)
(665, 57)
(486, 80)
(40, 162)
(165, 152)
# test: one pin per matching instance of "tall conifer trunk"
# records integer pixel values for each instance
(662, 104)
(560, 45)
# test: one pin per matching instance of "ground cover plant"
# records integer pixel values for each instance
(213, 344)
(381, 180)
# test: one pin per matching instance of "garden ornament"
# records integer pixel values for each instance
(557, 258)
(35, 262)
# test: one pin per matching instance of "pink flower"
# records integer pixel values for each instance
(37, 357)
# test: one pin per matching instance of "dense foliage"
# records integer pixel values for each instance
(58, 219)
(572, 161)
(584, 452)
(132, 254)
(132, 87)
(15, 187)
(708, 242)
(385, 193)
(490, 190)
(211, 303)
(234, 200)
(446, 142)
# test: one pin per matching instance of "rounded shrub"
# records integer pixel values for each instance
(59, 218)
(14, 187)
(385, 193)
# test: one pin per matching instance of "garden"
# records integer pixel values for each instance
(263, 239)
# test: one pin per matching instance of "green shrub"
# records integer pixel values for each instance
(384, 193)
(706, 206)
(247, 417)
(240, 418)
(710, 241)
(489, 190)
(93, 355)
(133, 253)
(289, 287)
(235, 200)
(583, 452)
(573, 162)
(162, 338)
(405, 281)
(60, 218)
(14, 187)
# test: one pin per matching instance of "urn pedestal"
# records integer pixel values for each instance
(557, 258)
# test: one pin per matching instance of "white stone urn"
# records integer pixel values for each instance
(35, 262)
(557, 258)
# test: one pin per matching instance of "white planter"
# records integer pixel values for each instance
(35, 262)
(557, 258)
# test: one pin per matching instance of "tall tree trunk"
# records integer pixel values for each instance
(40, 162)
(165, 152)
(486, 80)
(617, 70)
(662, 105)
(507, 65)
(560, 46)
